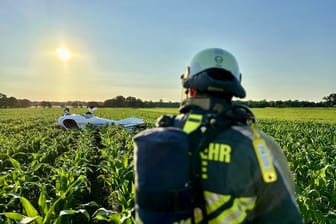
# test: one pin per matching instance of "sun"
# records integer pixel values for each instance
(63, 53)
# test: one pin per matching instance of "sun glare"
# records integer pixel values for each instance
(63, 54)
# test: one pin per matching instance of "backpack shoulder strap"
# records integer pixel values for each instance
(201, 131)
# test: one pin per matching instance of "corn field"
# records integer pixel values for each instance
(49, 175)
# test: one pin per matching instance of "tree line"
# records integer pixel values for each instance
(130, 101)
(119, 101)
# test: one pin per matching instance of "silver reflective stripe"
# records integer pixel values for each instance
(237, 213)
(246, 131)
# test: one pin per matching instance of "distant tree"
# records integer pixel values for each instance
(45, 104)
(131, 101)
(11, 102)
(74, 104)
(108, 103)
(330, 100)
(3, 100)
(120, 101)
(94, 104)
(139, 103)
(23, 103)
(7, 102)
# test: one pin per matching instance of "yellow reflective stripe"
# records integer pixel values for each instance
(198, 215)
(184, 221)
(215, 201)
(192, 123)
(237, 212)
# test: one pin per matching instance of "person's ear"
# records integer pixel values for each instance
(192, 92)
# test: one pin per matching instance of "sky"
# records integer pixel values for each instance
(286, 49)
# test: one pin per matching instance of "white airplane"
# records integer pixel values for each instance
(81, 121)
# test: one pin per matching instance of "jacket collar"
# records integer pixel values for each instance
(204, 103)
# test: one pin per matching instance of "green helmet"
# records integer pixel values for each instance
(214, 70)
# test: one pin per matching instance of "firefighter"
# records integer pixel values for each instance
(242, 175)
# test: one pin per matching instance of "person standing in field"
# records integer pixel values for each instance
(235, 173)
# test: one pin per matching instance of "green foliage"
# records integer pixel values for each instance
(325, 115)
(49, 175)
(310, 148)
(331, 99)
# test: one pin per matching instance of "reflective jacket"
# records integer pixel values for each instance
(234, 181)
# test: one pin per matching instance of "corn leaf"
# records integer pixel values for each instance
(13, 215)
(42, 201)
(15, 163)
(27, 220)
(30, 210)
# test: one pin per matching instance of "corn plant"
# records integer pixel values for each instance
(49, 175)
